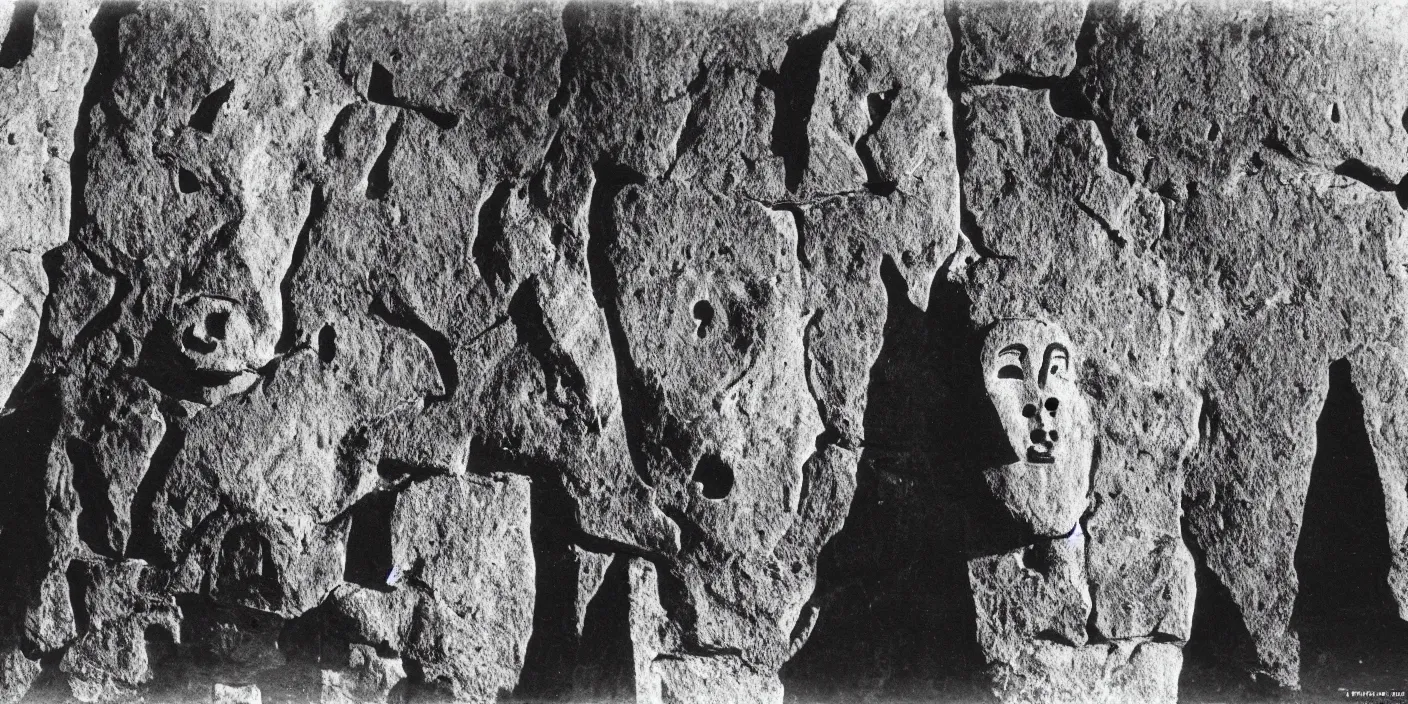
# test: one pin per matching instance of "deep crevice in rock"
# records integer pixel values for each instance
(327, 343)
(144, 543)
(606, 666)
(369, 560)
(379, 178)
(897, 614)
(1345, 611)
(490, 241)
(288, 336)
(574, 15)
(1366, 174)
(692, 130)
(794, 91)
(550, 663)
(610, 180)
(112, 311)
(399, 315)
(878, 104)
(19, 40)
(187, 182)
(1219, 654)
(78, 580)
(203, 119)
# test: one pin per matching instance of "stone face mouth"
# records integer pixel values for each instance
(1038, 455)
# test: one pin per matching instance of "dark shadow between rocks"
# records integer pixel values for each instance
(554, 648)
(1345, 613)
(897, 616)
(1219, 656)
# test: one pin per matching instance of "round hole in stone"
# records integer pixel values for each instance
(1054, 436)
(704, 315)
(1052, 404)
(1038, 435)
(715, 476)
(187, 181)
(1036, 559)
(1029, 410)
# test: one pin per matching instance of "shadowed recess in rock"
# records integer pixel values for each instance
(555, 649)
(1219, 653)
(1345, 612)
(794, 90)
(897, 619)
(369, 562)
(19, 40)
(381, 89)
(203, 119)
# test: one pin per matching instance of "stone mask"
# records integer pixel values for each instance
(1029, 375)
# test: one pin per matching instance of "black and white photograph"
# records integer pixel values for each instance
(703, 351)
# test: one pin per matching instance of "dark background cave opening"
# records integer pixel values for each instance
(1351, 636)
(1345, 615)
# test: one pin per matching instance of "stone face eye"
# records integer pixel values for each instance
(1029, 410)
(1011, 362)
(1057, 361)
(1052, 404)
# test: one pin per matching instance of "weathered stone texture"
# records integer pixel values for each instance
(362, 352)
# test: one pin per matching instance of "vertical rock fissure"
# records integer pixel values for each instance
(490, 240)
(608, 182)
(288, 336)
(967, 221)
(106, 68)
(794, 86)
(379, 178)
(1345, 611)
(878, 106)
(144, 543)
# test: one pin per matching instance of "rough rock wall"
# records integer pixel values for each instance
(367, 352)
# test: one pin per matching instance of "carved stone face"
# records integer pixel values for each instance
(214, 335)
(1029, 375)
(208, 351)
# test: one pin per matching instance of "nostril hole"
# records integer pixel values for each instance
(704, 314)
(215, 324)
(1052, 435)
(1052, 404)
(715, 476)
(1029, 410)
(197, 343)
(1038, 435)
(187, 182)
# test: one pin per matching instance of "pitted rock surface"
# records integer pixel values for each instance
(599, 351)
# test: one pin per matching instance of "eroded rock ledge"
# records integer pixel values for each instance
(680, 352)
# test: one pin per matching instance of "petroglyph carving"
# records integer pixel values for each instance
(1029, 374)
